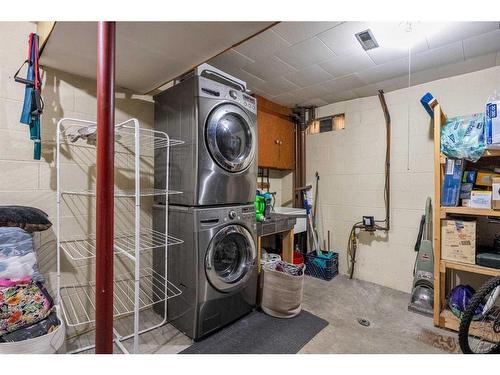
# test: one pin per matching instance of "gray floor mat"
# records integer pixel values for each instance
(258, 333)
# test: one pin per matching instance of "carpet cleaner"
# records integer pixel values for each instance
(422, 295)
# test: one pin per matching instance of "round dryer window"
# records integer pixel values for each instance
(230, 258)
(230, 137)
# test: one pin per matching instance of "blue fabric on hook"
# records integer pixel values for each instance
(28, 92)
(28, 117)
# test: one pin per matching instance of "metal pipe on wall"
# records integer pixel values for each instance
(300, 154)
(387, 185)
(106, 32)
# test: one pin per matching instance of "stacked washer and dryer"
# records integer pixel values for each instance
(216, 171)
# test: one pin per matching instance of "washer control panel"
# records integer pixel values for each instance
(210, 217)
(248, 213)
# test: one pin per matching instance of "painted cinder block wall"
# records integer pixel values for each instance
(25, 181)
(351, 166)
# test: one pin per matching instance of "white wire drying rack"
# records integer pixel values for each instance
(133, 291)
(79, 308)
(84, 248)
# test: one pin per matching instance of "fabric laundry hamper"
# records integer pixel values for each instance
(49, 343)
(282, 293)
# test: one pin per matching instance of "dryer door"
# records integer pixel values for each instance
(230, 258)
(230, 137)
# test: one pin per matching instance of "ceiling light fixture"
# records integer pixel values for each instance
(406, 34)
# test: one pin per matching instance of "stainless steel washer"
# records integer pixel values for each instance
(217, 120)
(215, 267)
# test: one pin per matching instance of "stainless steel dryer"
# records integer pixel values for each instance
(216, 119)
(215, 267)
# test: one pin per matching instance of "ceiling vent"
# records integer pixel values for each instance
(367, 40)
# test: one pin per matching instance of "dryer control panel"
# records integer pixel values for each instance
(211, 89)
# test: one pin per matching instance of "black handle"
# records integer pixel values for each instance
(24, 81)
(420, 233)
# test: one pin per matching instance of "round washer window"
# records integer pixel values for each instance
(232, 137)
(230, 257)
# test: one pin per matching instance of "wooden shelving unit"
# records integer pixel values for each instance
(443, 317)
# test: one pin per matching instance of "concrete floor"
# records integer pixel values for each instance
(393, 329)
(340, 301)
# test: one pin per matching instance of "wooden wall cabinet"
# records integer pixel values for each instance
(276, 135)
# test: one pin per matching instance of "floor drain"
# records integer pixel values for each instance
(363, 322)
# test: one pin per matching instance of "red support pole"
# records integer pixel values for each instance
(105, 186)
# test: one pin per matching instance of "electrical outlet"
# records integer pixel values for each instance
(369, 223)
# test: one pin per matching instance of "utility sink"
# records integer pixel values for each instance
(299, 213)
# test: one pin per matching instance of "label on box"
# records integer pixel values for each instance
(480, 199)
(458, 241)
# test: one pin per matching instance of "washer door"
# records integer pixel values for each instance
(230, 138)
(230, 258)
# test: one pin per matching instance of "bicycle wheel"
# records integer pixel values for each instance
(479, 331)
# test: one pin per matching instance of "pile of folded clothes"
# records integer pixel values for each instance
(26, 308)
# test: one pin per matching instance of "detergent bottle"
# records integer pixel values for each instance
(263, 204)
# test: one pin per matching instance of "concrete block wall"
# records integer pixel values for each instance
(281, 182)
(33, 183)
(351, 165)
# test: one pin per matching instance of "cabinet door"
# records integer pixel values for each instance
(286, 140)
(276, 135)
(268, 134)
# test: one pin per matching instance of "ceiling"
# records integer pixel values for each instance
(148, 54)
(316, 63)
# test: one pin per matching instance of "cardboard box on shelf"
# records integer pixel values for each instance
(485, 178)
(469, 177)
(492, 125)
(480, 199)
(465, 190)
(458, 241)
(495, 199)
(452, 181)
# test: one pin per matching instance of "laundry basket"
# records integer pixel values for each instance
(282, 293)
(46, 344)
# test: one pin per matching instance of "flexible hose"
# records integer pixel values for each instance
(351, 248)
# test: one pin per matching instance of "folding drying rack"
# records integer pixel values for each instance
(133, 291)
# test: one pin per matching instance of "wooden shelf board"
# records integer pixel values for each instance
(469, 211)
(470, 268)
(450, 321)
(491, 153)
